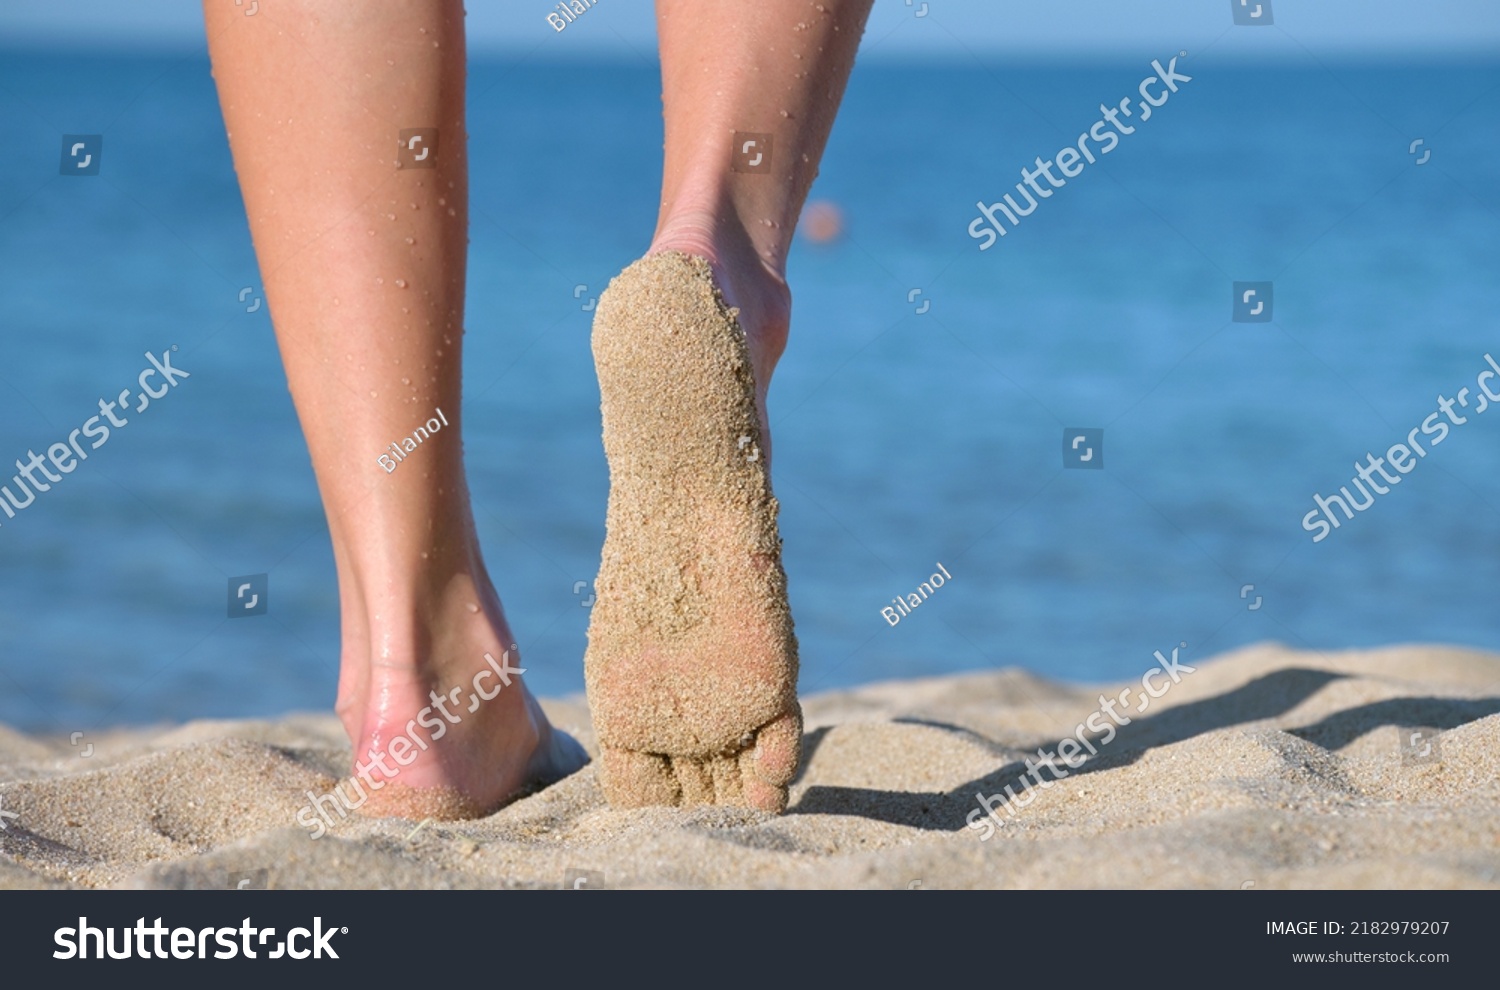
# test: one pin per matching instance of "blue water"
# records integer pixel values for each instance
(901, 439)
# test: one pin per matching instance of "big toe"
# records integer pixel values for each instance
(767, 767)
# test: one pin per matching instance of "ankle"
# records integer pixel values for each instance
(751, 280)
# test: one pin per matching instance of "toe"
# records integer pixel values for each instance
(763, 796)
(769, 766)
(728, 786)
(634, 780)
(777, 749)
(694, 780)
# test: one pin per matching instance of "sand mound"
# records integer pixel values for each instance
(1265, 767)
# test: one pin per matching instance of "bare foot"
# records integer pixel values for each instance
(692, 662)
(442, 725)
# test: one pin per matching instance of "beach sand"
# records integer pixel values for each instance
(1264, 768)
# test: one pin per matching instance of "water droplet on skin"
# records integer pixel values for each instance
(411, 240)
(372, 393)
(434, 44)
(424, 554)
(390, 216)
(423, 30)
(379, 280)
(406, 381)
(472, 607)
(400, 283)
(405, 310)
(415, 206)
(452, 212)
(784, 114)
(390, 61)
(370, 232)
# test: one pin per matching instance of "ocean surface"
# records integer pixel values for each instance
(911, 428)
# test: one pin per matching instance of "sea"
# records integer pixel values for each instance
(1109, 448)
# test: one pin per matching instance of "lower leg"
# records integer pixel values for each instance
(363, 267)
(776, 68)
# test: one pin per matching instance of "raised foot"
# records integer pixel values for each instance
(692, 661)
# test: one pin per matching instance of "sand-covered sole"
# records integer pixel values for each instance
(692, 663)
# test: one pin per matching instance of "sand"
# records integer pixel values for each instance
(691, 666)
(1265, 767)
